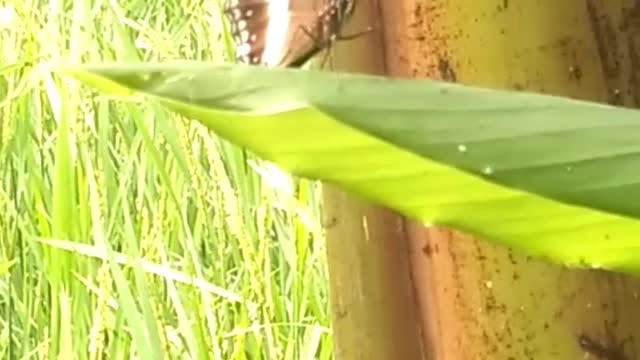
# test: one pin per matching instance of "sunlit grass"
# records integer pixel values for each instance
(127, 232)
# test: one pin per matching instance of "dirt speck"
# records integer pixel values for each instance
(427, 250)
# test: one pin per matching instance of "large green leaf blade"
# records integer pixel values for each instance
(516, 168)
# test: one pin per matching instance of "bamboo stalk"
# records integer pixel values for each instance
(374, 309)
(480, 301)
(373, 306)
(477, 300)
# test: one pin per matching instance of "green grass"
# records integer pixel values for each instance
(128, 232)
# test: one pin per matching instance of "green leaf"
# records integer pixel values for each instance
(550, 176)
(6, 266)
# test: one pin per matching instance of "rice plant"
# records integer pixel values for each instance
(129, 232)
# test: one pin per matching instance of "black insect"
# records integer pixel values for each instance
(609, 350)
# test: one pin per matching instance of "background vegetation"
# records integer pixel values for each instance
(212, 256)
